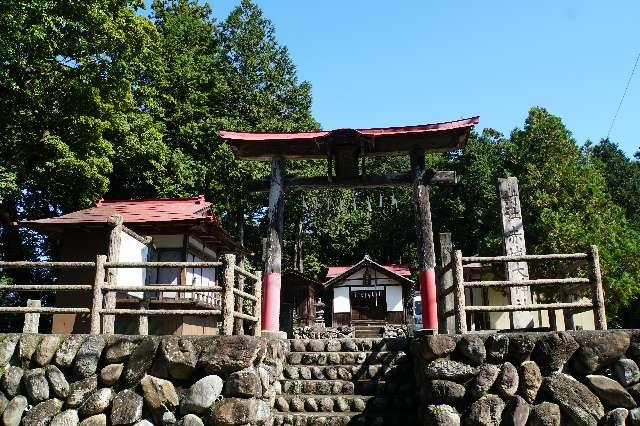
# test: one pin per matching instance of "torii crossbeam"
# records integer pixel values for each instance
(346, 151)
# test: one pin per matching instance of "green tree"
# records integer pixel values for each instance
(66, 72)
(621, 174)
(566, 204)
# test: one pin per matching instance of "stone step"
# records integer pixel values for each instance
(345, 387)
(327, 403)
(342, 419)
(346, 358)
(343, 403)
(367, 334)
(348, 345)
(345, 372)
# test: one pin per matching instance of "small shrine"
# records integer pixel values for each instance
(369, 293)
(138, 230)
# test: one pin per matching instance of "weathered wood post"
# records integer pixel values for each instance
(32, 319)
(272, 277)
(445, 303)
(227, 294)
(597, 292)
(458, 293)
(108, 321)
(514, 244)
(238, 325)
(424, 234)
(97, 294)
(567, 296)
(257, 307)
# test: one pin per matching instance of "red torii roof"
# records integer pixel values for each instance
(148, 216)
(437, 137)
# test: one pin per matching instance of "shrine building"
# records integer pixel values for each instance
(369, 293)
(166, 230)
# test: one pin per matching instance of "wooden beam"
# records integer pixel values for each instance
(370, 181)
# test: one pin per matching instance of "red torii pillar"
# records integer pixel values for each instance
(424, 234)
(273, 266)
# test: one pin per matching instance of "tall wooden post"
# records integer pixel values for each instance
(97, 294)
(445, 324)
(228, 303)
(514, 244)
(424, 234)
(238, 326)
(272, 278)
(597, 292)
(108, 321)
(458, 293)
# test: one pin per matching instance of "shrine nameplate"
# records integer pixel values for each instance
(514, 244)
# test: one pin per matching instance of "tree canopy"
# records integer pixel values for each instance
(108, 99)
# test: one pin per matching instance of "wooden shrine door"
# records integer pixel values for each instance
(368, 305)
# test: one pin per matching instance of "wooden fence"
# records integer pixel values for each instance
(102, 310)
(594, 281)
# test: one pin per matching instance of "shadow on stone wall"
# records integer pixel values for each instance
(556, 378)
(122, 380)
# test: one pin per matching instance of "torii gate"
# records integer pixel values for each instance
(346, 151)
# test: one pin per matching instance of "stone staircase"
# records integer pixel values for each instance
(368, 331)
(347, 382)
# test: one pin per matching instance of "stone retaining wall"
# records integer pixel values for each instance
(558, 378)
(122, 380)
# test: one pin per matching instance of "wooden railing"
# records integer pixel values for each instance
(594, 281)
(103, 310)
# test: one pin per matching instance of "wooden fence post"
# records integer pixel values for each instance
(257, 306)
(97, 294)
(445, 280)
(108, 321)
(459, 302)
(238, 326)
(32, 319)
(597, 293)
(143, 320)
(228, 304)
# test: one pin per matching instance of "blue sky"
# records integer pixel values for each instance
(385, 63)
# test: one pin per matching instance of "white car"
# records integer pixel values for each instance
(417, 312)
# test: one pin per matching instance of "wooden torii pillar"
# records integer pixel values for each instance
(273, 260)
(424, 235)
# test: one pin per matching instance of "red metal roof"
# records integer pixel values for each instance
(149, 216)
(398, 269)
(444, 136)
(137, 211)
